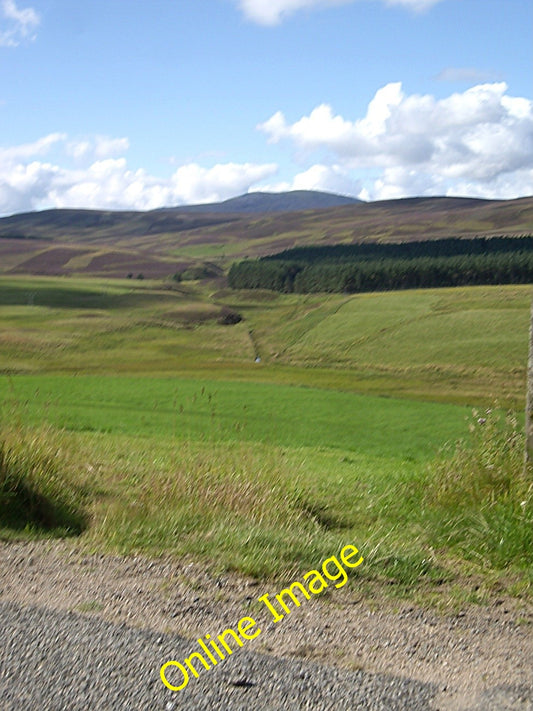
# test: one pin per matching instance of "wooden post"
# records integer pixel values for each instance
(529, 398)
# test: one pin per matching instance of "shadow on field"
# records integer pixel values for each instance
(65, 297)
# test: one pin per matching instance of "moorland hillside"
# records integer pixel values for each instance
(160, 243)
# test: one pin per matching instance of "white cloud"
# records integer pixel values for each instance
(28, 182)
(481, 138)
(110, 184)
(194, 184)
(416, 5)
(20, 23)
(30, 150)
(97, 147)
(465, 74)
(478, 142)
(272, 12)
(329, 178)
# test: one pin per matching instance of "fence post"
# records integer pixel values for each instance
(528, 459)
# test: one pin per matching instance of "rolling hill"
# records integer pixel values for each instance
(290, 201)
(162, 242)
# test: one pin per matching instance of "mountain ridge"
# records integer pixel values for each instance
(163, 242)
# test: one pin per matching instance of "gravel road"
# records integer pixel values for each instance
(81, 631)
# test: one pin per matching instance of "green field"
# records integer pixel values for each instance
(454, 345)
(279, 415)
(156, 428)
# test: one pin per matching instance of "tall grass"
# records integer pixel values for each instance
(480, 500)
(34, 495)
(234, 504)
(273, 511)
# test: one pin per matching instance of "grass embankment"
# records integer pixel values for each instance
(204, 475)
(234, 464)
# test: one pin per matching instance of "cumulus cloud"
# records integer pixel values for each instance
(329, 178)
(29, 181)
(478, 142)
(16, 24)
(195, 184)
(481, 139)
(272, 12)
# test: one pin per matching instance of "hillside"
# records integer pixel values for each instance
(160, 243)
(54, 223)
(290, 201)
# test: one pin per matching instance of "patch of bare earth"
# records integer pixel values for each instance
(463, 653)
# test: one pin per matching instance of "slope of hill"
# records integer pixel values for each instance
(160, 243)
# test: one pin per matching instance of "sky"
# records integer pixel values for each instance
(130, 104)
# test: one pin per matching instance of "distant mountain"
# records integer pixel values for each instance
(273, 202)
(160, 243)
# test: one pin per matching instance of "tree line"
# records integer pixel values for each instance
(377, 267)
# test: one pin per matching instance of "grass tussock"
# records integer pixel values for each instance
(35, 498)
(480, 500)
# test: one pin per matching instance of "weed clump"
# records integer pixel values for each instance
(481, 499)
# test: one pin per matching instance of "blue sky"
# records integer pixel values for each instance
(124, 104)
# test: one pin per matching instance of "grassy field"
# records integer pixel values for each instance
(144, 424)
(464, 346)
(203, 410)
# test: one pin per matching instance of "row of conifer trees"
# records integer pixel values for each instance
(375, 267)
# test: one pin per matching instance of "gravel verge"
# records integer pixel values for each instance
(92, 631)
